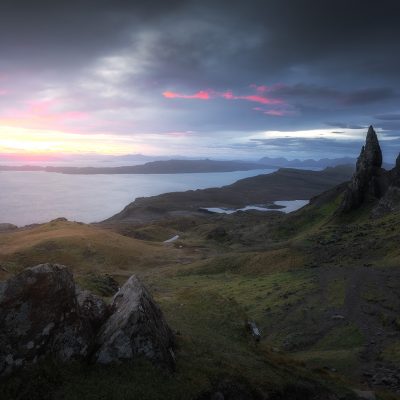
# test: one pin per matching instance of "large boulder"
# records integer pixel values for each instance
(43, 313)
(39, 315)
(135, 328)
(369, 180)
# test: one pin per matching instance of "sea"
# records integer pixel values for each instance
(38, 197)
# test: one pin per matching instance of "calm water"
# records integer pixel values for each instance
(36, 197)
(288, 207)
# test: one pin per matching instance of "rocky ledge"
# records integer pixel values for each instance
(44, 314)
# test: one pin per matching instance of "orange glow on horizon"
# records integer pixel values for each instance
(39, 142)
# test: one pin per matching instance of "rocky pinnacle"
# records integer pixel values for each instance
(369, 179)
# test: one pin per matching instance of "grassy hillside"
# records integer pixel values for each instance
(84, 248)
(323, 290)
(284, 184)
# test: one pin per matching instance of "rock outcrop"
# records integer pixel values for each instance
(92, 308)
(39, 315)
(390, 202)
(369, 180)
(371, 183)
(43, 313)
(136, 327)
(394, 174)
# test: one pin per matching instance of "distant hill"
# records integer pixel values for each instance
(155, 167)
(284, 184)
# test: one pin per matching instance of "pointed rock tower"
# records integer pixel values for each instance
(369, 179)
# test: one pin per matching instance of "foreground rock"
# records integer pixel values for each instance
(39, 315)
(136, 327)
(43, 313)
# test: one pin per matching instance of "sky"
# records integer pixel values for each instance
(219, 79)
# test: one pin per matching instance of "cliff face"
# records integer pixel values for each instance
(370, 181)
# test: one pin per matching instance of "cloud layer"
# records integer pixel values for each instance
(201, 77)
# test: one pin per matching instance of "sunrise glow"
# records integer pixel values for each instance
(39, 141)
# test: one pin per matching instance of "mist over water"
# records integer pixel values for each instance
(37, 197)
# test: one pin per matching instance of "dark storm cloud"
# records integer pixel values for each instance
(337, 148)
(341, 97)
(344, 125)
(388, 117)
(59, 30)
(326, 61)
(218, 37)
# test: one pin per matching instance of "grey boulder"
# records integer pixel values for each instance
(44, 314)
(135, 328)
(39, 315)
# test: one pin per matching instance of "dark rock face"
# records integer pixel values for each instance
(43, 313)
(39, 315)
(395, 173)
(390, 202)
(369, 180)
(371, 183)
(136, 327)
(92, 308)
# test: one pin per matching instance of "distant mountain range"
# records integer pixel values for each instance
(155, 167)
(309, 163)
(180, 166)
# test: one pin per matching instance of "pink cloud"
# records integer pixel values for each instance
(3, 92)
(259, 97)
(276, 113)
(262, 95)
(260, 88)
(41, 114)
(201, 95)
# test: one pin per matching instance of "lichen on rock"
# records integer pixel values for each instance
(43, 313)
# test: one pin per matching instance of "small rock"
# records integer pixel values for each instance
(365, 394)
(337, 317)
(253, 328)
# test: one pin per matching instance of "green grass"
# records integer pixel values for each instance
(344, 361)
(344, 337)
(336, 292)
(261, 272)
(392, 352)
